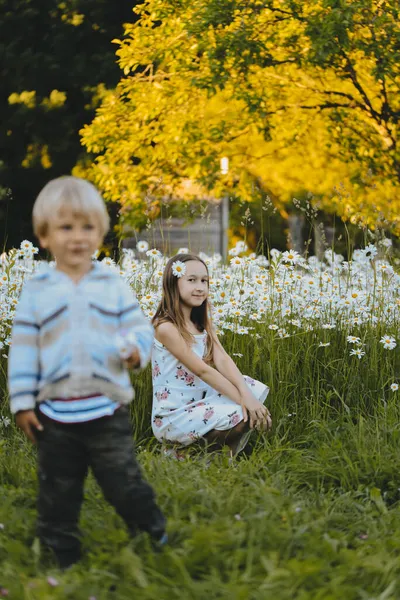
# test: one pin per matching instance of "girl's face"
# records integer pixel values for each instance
(193, 285)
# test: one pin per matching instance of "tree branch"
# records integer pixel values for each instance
(386, 110)
(322, 106)
(350, 70)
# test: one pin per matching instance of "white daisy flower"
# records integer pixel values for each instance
(236, 262)
(178, 268)
(242, 330)
(388, 342)
(153, 253)
(357, 352)
(352, 339)
(291, 257)
(275, 254)
(142, 246)
(26, 245)
(183, 251)
(109, 262)
(324, 345)
(369, 252)
(241, 246)
(296, 322)
(394, 387)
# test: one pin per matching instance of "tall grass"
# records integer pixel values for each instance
(314, 516)
(311, 511)
(307, 382)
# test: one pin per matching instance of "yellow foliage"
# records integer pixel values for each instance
(166, 125)
(56, 99)
(37, 152)
(26, 98)
(73, 18)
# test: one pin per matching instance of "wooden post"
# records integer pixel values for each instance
(224, 226)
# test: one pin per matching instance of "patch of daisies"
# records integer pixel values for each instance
(288, 293)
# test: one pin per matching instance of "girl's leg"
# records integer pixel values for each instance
(231, 437)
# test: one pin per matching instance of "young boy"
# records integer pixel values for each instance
(68, 385)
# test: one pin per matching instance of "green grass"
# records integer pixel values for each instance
(311, 513)
(311, 517)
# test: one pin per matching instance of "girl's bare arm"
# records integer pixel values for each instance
(258, 413)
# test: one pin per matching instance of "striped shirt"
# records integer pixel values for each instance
(78, 410)
(64, 338)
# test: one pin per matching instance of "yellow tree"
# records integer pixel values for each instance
(299, 96)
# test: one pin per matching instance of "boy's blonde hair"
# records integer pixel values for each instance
(68, 192)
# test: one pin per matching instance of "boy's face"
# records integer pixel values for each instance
(72, 239)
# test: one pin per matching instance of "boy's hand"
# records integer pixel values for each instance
(28, 422)
(133, 361)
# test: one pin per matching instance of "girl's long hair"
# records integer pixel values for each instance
(169, 309)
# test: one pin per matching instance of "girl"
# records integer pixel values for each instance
(191, 399)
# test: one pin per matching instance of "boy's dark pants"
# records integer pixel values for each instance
(65, 452)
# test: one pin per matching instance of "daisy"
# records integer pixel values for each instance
(352, 339)
(241, 246)
(324, 345)
(385, 268)
(291, 257)
(242, 330)
(254, 316)
(394, 387)
(220, 311)
(153, 253)
(357, 352)
(142, 246)
(236, 262)
(369, 252)
(26, 245)
(389, 343)
(108, 261)
(178, 268)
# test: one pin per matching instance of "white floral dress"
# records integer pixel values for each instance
(185, 408)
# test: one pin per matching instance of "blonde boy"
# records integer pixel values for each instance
(69, 387)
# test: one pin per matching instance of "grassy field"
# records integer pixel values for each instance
(311, 512)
